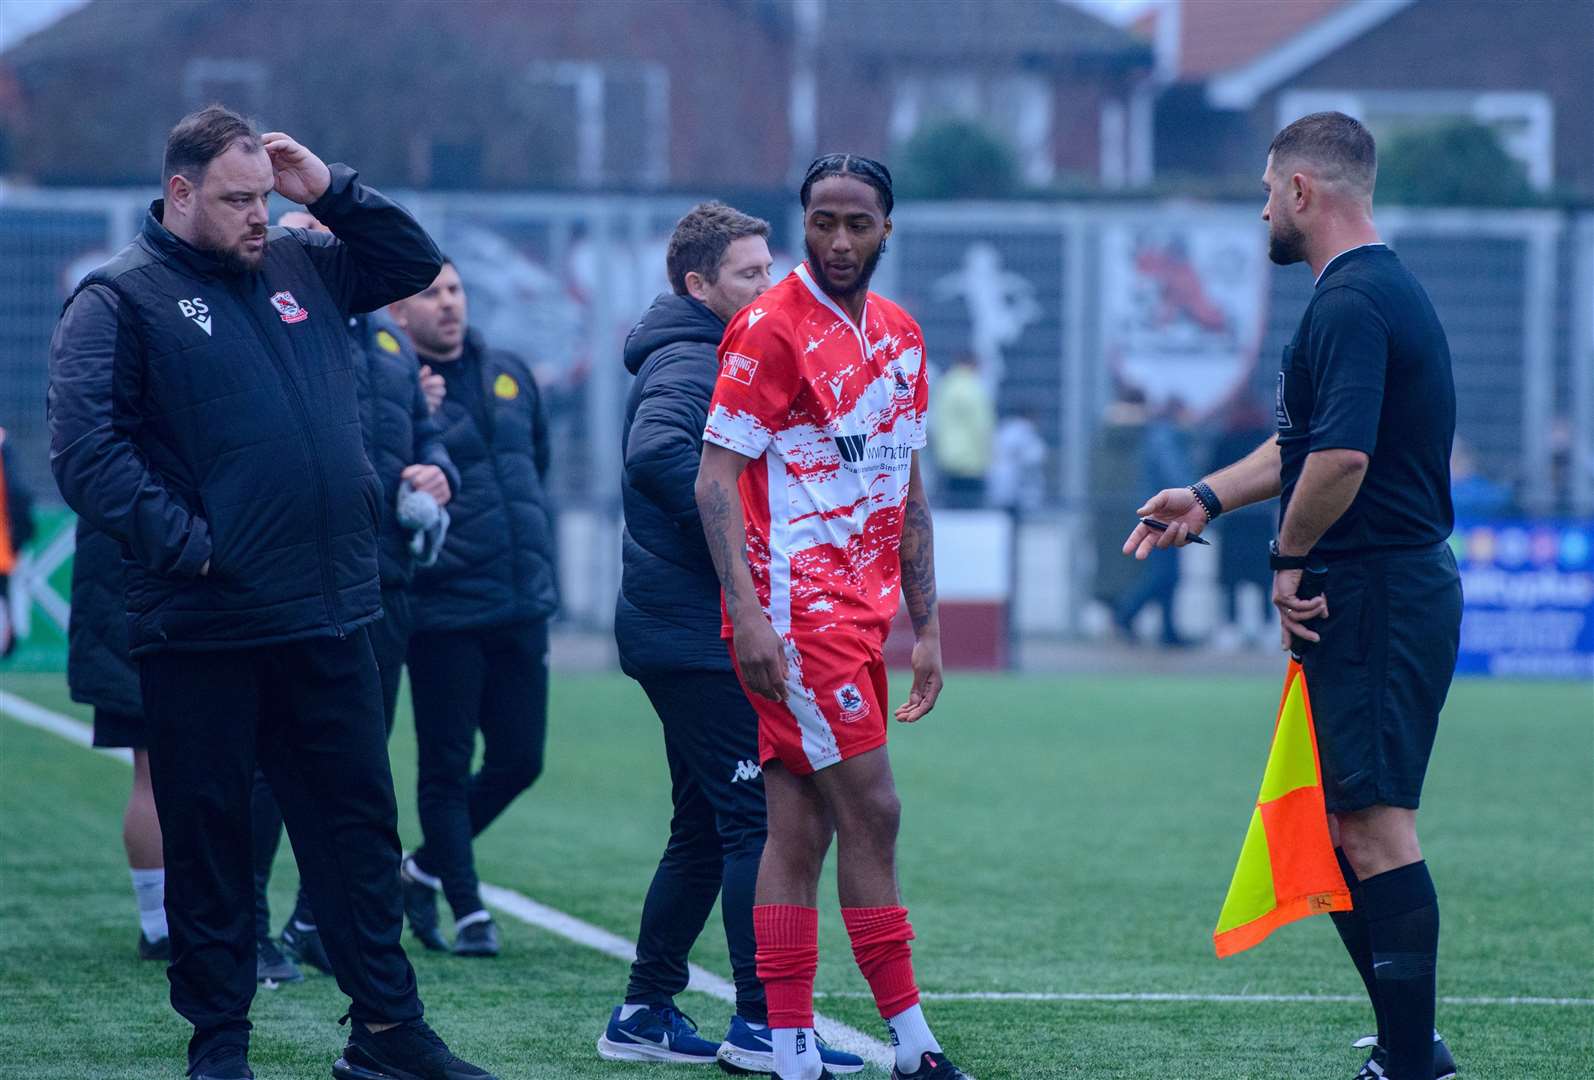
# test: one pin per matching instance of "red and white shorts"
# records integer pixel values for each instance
(835, 705)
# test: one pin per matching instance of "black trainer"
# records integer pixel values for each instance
(272, 969)
(932, 1066)
(477, 939)
(154, 950)
(1377, 1063)
(409, 1051)
(305, 947)
(420, 906)
(223, 1063)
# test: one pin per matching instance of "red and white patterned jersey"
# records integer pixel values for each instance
(832, 412)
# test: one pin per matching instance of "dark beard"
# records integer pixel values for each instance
(239, 263)
(865, 273)
(1286, 245)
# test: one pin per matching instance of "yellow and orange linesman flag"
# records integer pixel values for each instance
(1287, 869)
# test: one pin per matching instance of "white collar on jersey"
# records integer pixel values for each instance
(1341, 255)
(824, 298)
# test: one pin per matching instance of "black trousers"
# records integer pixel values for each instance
(309, 713)
(493, 680)
(716, 837)
(390, 636)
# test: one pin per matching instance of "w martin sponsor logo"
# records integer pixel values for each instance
(739, 367)
(747, 770)
(856, 450)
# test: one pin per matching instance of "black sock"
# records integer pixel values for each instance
(1352, 927)
(1402, 914)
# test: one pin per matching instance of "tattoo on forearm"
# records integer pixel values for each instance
(918, 563)
(716, 512)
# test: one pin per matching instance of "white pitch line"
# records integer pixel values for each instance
(510, 902)
(1222, 999)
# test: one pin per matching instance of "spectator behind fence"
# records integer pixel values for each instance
(1016, 481)
(1475, 496)
(1244, 533)
(16, 529)
(1164, 459)
(963, 418)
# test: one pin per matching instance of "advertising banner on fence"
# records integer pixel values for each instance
(1529, 598)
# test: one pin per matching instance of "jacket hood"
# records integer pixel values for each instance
(672, 318)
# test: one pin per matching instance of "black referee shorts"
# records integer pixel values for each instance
(1379, 677)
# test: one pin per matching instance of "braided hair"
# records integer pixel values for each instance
(868, 170)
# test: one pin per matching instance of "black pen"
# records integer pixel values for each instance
(1162, 526)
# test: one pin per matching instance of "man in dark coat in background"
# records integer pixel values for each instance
(479, 656)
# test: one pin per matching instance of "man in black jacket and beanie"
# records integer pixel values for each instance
(203, 413)
(407, 452)
(479, 656)
(667, 626)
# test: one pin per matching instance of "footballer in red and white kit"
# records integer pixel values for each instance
(832, 410)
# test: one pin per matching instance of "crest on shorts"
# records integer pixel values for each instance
(288, 308)
(852, 702)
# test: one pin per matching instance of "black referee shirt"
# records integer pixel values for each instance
(1369, 370)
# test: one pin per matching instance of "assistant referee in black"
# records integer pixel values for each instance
(1366, 411)
(203, 413)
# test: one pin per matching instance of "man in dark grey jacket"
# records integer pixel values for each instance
(203, 413)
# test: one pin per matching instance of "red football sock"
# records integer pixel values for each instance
(787, 957)
(880, 937)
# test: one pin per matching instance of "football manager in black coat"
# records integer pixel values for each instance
(667, 626)
(203, 412)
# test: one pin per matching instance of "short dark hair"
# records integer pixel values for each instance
(1339, 145)
(201, 137)
(701, 237)
(868, 170)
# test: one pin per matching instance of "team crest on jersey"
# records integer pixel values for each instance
(387, 342)
(901, 389)
(506, 387)
(852, 702)
(739, 367)
(288, 308)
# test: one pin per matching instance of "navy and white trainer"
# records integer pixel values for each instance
(1374, 1068)
(748, 1048)
(655, 1034)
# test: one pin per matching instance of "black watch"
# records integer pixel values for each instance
(1276, 561)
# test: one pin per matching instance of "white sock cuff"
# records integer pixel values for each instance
(472, 919)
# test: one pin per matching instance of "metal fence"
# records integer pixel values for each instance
(1064, 307)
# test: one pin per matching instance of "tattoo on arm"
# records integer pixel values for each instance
(918, 562)
(721, 527)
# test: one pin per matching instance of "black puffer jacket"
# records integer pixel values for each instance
(198, 413)
(99, 671)
(399, 431)
(497, 565)
(668, 614)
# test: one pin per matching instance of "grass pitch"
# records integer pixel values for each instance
(1068, 835)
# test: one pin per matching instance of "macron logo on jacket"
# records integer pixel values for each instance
(197, 311)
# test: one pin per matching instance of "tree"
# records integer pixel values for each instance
(956, 159)
(1457, 163)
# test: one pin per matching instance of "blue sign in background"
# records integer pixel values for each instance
(1529, 589)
